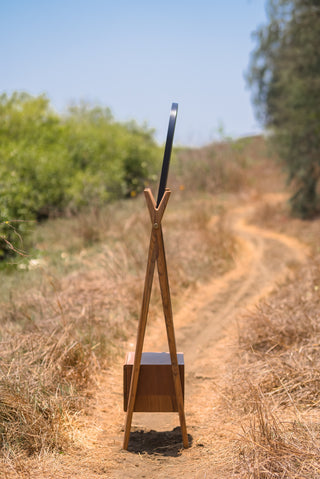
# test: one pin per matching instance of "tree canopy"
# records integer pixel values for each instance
(284, 74)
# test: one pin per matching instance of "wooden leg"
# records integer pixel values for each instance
(167, 308)
(153, 253)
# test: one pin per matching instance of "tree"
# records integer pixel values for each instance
(284, 74)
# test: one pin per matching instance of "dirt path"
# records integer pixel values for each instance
(206, 333)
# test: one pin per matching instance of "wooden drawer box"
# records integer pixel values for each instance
(155, 392)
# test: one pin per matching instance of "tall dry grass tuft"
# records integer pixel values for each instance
(273, 448)
(44, 372)
(276, 384)
(27, 423)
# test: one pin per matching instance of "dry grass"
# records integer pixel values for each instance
(271, 447)
(228, 166)
(200, 246)
(81, 305)
(276, 386)
(277, 216)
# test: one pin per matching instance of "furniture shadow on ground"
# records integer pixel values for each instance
(164, 443)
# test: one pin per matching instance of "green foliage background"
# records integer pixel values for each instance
(284, 74)
(52, 164)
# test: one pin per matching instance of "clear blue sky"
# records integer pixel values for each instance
(137, 57)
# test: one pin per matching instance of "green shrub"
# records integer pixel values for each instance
(50, 165)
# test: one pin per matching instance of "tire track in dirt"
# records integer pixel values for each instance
(263, 261)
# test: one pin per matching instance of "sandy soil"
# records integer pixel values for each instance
(206, 331)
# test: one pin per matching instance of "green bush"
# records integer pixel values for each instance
(51, 164)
